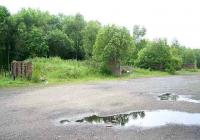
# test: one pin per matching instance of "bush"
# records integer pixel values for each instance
(155, 56)
(174, 65)
(38, 73)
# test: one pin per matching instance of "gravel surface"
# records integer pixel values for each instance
(34, 113)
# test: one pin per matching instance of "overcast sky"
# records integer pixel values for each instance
(171, 19)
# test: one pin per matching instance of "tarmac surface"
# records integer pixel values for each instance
(34, 113)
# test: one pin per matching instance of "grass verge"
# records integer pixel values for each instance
(55, 71)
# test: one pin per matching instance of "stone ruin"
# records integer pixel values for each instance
(21, 69)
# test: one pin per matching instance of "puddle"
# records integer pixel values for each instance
(173, 97)
(168, 96)
(64, 121)
(187, 99)
(147, 119)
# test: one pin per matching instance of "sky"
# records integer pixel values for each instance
(171, 19)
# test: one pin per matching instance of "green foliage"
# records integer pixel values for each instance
(31, 17)
(156, 56)
(89, 37)
(197, 55)
(4, 34)
(37, 73)
(112, 46)
(189, 57)
(4, 14)
(138, 37)
(32, 43)
(55, 70)
(139, 72)
(174, 65)
(73, 27)
(29, 33)
(59, 44)
(33, 33)
(35, 43)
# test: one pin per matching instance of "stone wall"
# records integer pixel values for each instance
(21, 69)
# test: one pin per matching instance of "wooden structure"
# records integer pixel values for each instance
(21, 69)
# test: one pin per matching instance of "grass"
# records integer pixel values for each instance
(139, 73)
(55, 70)
(9, 82)
(188, 72)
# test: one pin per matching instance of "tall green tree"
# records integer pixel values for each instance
(189, 57)
(60, 44)
(197, 55)
(4, 35)
(30, 36)
(138, 35)
(112, 46)
(73, 27)
(89, 37)
(31, 44)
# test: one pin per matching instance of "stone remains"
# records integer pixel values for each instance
(21, 69)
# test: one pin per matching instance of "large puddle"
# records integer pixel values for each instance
(142, 119)
(173, 97)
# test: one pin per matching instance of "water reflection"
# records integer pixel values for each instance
(173, 97)
(119, 119)
(146, 119)
(64, 121)
(168, 96)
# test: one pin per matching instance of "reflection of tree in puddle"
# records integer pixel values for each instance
(119, 119)
(168, 96)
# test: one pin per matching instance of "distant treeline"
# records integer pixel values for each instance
(34, 33)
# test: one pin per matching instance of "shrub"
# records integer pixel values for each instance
(155, 56)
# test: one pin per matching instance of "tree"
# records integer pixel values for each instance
(31, 17)
(197, 55)
(138, 32)
(35, 43)
(177, 54)
(138, 37)
(111, 47)
(89, 37)
(30, 27)
(156, 56)
(4, 35)
(189, 59)
(73, 27)
(59, 44)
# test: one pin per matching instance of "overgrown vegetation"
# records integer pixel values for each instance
(56, 70)
(88, 49)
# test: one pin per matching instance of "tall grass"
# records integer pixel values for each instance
(56, 70)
